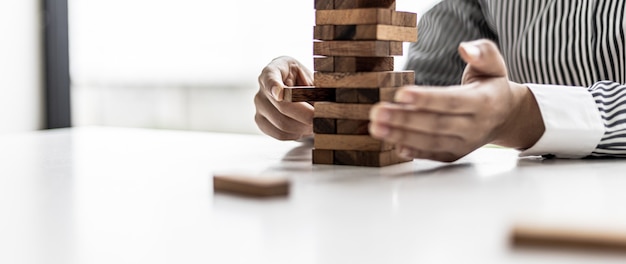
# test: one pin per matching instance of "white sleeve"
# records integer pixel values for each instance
(573, 124)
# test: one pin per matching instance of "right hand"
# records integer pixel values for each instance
(283, 120)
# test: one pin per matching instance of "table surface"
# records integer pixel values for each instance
(115, 195)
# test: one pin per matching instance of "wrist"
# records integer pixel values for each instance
(524, 126)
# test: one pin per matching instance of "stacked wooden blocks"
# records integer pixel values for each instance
(355, 41)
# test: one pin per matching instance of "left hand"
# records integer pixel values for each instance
(448, 123)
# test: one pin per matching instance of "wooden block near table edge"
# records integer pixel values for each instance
(308, 94)
(365, 32)
(365, 16)
(353, 64)
(363, 79)
(350, 4)
(556, 236)
(358, 48)
(356, 158)
(251, 186)
(350, 142)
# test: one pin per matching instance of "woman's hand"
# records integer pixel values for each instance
(283, 120)
(446, 124)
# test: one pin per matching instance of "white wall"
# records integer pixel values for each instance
(20, 66)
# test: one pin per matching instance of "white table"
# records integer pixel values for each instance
(112, 195)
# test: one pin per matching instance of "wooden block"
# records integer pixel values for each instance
(366, 158)
(308, 94)
(387, 94)
(353, 64)
(404, 19)
(365, 16)
(342, 111)
(340, 126)
(358, 48)
(363, 79)
(350, 142)
(365, 32)
(323, 156)
(352, 127)
(356, 158)
(365, 95)
(324, 64)
(324, 126)
(324, 4)
(551, 235)
(260, 186)
(351, 4)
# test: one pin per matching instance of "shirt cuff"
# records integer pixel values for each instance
(572, 120)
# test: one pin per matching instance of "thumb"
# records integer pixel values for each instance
(483, 60)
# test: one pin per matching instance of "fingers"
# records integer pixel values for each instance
(483, 58)
(416, 139)
(281, 72)
(457, 100)
(295, 118)
(399, 116)
(283, 120)
(410, 153)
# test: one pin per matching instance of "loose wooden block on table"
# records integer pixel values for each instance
(308, 94)
(365, 95)
(358, 48)
(365, 32)
(363, 79)
(357, 158)
(350, 142)
(353, 64)
(251, 185)
(544, 235)
(342, 111)
(365, 16)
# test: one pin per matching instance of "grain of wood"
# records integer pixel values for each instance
(550, 235)
(251, 185)
(358, 48)
(324, 125)
(350, 142)
(363, 79)
(323, 156)
(365, 32)
(351, 4)
(308, 94)
(353, 64)
(342, 111)
(365, 16)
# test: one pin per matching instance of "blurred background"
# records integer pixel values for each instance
(184, 64)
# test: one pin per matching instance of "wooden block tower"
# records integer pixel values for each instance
(355, 41)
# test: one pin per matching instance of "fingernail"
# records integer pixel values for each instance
(379, 130)
(381, 115)
(471, 50)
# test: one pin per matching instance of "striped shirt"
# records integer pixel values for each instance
(570, 53)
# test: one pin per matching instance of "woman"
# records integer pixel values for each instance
(543, 76)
